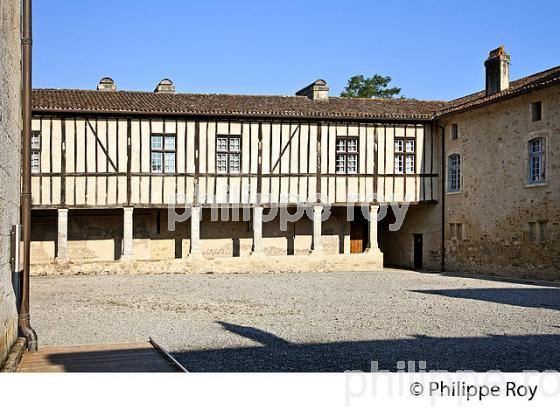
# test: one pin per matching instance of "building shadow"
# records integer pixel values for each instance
(534, 297)
(490, 352)
(506, 353)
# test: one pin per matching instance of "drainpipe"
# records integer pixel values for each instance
(24, 319)
(443, 182)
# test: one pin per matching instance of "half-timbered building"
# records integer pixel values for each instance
(109, 166)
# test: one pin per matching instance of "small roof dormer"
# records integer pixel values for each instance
(106, 84)
(316, 91)
(165, 86)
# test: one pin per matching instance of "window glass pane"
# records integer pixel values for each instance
(169, 162)
(235, 144)
(36, 141)
(234, 163)
(222, 144)
(352, 164)
(398, 164)
(352, 145)
(399, 144)
(454, 173)
(35, 161)
(410, 164)
(409, 145)
(157, 142)
(537, 111)
(221, 163)
(340, 145)
(340, 164)
(157, 161)
(542, 231)
(170, 142)
(454, 131)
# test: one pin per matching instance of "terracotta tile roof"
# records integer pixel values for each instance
(134, 102)
(523, 85)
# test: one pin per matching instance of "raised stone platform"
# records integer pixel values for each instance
(366, 262)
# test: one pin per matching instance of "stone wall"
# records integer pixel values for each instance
(398, 246)
(496, 204)
(10, 160)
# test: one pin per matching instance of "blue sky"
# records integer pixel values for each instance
(431, 49)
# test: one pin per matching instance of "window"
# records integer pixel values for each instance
(537, 172)
(35, 152)
(163, 151)
(454, 168)
(454, 131)
(347, 155)
(536, 110)
(542, 231)
(456, 231)
(404, 156)
(228, 154)
(537, 231)
(532, 232)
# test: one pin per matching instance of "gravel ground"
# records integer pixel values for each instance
(309, 322)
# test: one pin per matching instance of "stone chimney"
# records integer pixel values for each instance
(497, 71)
(165, 86)
(106, 84)
(316, 91)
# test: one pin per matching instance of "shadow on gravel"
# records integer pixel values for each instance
(492, 352)
(543, 298)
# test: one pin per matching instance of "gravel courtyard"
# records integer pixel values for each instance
(308, 322)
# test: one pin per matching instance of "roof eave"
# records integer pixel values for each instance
(524, 90)
(121, 113)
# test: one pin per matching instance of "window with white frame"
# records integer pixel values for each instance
(404, 156)
(347, 155)
(163, 151)
(537, 171)
(35, 152)
(228, 154)
(454, 169)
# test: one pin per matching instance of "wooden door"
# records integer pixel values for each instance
(356, 237)
(418, 250)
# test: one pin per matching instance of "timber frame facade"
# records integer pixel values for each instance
(104, 162)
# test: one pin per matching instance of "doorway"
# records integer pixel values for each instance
(418, 249)
(358, 233)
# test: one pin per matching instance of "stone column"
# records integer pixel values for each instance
(195, 252)
(258, 248)
(373, 210)
(373, 245)
(127, 244)
(317, 226)
(62, 237)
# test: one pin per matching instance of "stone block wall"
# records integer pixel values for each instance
(10, 161)
(496, 204)
(398, 246)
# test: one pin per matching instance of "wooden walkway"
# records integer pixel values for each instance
(130, 357)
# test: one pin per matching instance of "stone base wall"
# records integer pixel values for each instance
(247, 264)
(10, 160)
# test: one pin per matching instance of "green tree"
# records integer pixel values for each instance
(373, 87)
